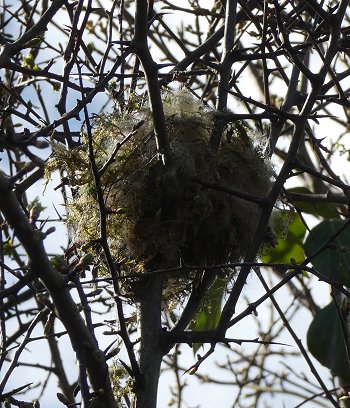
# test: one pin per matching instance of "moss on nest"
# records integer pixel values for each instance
(157, 215)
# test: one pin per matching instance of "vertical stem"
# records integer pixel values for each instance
(149, 296)
(3, 335)
(226, 60)
(225, 71)
(150, 68)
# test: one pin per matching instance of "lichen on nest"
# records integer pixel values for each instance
(159, 216)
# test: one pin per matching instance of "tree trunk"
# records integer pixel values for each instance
(149, 297)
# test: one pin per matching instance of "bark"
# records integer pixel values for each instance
(149, 297)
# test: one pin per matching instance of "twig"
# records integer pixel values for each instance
(19, 350)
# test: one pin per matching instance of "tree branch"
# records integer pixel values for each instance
(67, 311)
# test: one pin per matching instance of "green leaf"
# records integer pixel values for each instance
(333, 262)
(90, 46)
(8, 247)
(290, 232)
(324, 210)
(28, 61)
(59, 263)
(325, 341)
(209, 315)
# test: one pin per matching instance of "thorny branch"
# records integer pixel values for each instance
(63, 64)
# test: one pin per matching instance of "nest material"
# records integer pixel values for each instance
(159, 216)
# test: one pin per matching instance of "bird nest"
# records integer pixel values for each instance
(158, 216)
